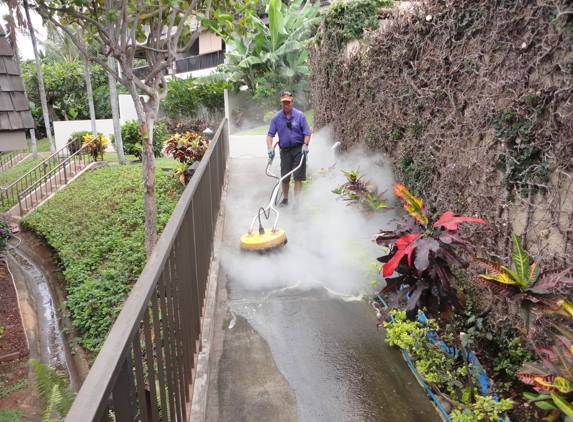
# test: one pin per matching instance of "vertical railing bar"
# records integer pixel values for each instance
(187, 296)
(150, 362)
(179, 332)
(121, 394)
(132, 387)
(159, 346)
(166, 346)
(171, 357)
(139, 373)
(196, 241)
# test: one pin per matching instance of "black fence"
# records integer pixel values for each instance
(145, 370)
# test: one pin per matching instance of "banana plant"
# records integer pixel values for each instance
(527, 286)
(552, 378)
(421, 252)
(278, 47)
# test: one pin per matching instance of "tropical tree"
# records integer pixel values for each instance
(64, 86)
(278, 48)
(157, 30)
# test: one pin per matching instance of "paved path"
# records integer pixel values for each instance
(295, 334)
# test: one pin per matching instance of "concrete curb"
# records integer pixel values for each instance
(200, 384)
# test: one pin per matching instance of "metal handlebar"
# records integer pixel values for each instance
(274, 194)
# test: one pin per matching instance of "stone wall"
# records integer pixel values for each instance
(472, 103)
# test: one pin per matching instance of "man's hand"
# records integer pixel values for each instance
(305, 149)
(271, 152)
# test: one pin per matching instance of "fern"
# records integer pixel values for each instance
(54, 397)
(58, 399)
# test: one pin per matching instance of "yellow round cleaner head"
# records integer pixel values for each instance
(263, 242)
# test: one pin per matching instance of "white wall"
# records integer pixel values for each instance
(63, 129)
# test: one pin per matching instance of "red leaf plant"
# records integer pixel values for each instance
(418, 263)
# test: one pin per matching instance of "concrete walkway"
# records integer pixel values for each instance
(294, 332)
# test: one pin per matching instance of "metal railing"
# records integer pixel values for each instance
(188, 64)
(11, 158)
(58, 169)
(10, 195)
(145, 369)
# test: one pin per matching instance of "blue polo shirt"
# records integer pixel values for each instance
(293, 136)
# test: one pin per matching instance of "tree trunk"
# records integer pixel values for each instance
(115, 111)
(90, 96)
(146, 112)
(148, 161)
(33, 142)
(41, 87)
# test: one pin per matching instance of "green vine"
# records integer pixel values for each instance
(523, 164)
(346, 21)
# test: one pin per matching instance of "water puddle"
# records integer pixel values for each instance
(52, 344)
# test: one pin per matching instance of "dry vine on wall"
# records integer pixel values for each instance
(472, 102)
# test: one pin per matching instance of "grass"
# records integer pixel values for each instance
(42, 145)
(162, 162)
(11, 415)
(96, 228)
(262, 130)
(14, 173)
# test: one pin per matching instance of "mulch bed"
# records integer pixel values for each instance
(13, 342)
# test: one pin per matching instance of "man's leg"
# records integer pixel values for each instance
(285, 187)
(297, 189)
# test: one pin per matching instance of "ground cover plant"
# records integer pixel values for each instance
(442, 369)
(96, 228)
(14, 173)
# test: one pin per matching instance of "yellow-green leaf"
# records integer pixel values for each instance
(521, 260)
(502, 278)
(563, 404)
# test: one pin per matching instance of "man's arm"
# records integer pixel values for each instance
(306, 139)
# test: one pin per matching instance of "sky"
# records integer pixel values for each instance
(24, 41)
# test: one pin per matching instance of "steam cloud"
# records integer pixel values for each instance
(329, 243)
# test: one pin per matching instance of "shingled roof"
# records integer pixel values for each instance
(14, 108)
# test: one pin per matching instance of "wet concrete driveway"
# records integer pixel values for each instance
(295, 334)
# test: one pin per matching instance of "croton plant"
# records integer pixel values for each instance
(527, 286)
(419, 258)
(552, 377)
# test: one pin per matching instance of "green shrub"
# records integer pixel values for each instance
(5, 230)
(132, 140)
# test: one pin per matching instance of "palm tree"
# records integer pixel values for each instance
(115, 110)
(41, 87)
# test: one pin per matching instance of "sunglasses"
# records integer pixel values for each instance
(289, 125)
(286, 94)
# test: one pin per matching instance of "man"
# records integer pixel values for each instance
(294, 137)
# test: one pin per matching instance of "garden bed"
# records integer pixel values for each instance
(13, 341)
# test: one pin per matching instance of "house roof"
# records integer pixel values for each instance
(15, 111)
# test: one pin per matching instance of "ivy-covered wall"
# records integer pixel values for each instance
(472, 103)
